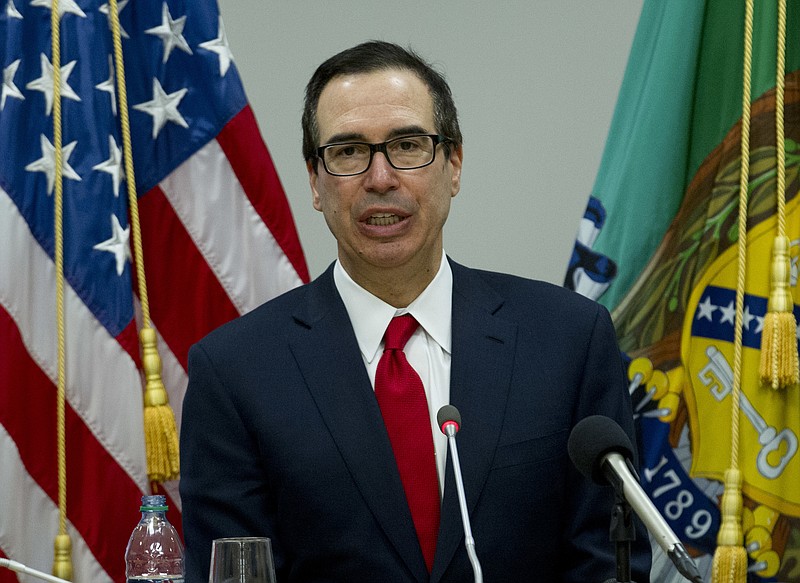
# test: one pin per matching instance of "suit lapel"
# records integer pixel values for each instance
(327, 352)
(482, 357)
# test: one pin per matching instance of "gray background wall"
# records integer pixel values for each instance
(535, 82)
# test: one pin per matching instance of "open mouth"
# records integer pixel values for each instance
(384, 219)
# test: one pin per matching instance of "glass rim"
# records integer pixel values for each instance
(241, 539)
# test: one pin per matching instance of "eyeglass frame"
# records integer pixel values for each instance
(381, 147)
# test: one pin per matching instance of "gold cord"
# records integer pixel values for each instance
(161, 434)
(62, 558)
(730, 557)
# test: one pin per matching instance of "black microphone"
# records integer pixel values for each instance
(602, 452)
(449, 420)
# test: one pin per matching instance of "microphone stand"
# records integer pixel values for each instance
(622, 532)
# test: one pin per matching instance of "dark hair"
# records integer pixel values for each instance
(379, 56)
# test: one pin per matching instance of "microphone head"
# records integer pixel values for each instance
(591, 440)
(448, 414)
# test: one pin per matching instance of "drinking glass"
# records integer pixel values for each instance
(242, 560)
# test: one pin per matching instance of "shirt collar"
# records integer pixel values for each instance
(370, 315)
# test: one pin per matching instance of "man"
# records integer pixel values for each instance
(288, 431)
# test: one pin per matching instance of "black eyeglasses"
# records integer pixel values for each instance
(404, 153)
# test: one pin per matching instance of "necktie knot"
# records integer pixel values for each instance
(399, 331)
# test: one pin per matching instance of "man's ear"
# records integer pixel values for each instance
(312, 181)
(455, 161)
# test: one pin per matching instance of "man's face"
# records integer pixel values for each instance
(383, 219)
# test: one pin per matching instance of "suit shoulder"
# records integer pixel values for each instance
(536, 294)
(269, 320)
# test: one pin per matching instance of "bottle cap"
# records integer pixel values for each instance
(154, 503)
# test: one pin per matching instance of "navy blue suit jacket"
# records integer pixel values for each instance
(282, 437)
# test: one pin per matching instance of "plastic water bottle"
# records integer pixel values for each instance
(155, 551)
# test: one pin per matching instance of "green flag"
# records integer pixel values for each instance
(658, 246)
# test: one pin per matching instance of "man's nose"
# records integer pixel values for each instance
(381, 176)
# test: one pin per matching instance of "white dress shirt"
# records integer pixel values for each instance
(429, 348)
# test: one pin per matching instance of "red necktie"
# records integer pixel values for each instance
(404, 407)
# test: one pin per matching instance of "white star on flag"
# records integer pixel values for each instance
(64, 6)
(705, 309)
(9, 89)
(170, 32)
(113, 165)
(163, 107)
(104, 9)
(117, 244)
(747, 317)
(11, 10)
(108, 85)
(728, 313)
(759, 324)
(47, 163)
(45, 83)
(220, 46)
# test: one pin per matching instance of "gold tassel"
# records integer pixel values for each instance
(779, 360)
(779, 367)
(62, 558)
(730, 556)
(160, 431)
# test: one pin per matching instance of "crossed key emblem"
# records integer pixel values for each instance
(717, 375)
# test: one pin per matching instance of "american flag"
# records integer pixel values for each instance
(218, 240)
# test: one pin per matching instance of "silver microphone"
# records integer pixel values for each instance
(449, 420)
(602, 452)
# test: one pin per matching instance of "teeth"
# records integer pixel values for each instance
(383, 219)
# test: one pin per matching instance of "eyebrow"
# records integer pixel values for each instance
(395, 133)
